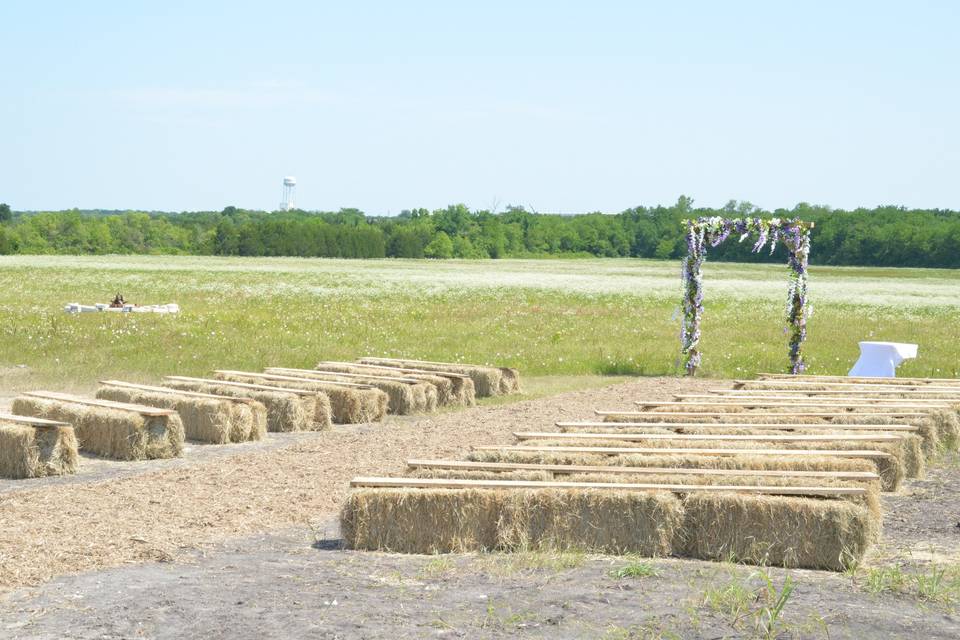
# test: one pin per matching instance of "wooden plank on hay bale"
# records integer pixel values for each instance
(463, 465)
(859, 437)
(442, 483)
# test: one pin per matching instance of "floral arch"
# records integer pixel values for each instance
(704, 232)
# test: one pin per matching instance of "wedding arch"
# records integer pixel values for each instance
(711, 231)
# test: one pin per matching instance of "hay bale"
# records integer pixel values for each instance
(928, 429)
(403, 398)
(776, 530)
(458, 520)
(285, 412)
(947, 426)
(321, 414)
(444, 386)
(689, 407)
(486, 380)
(772, 530)
(592, 520)
(457, 474)
(27, 451)
(871, 500)
(463, 391)
(421, 521)
(322, 409)
(888, 482)
(509, 381)
(109, 432)
(350, 404)
(204, 419)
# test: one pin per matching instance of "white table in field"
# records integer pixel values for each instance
(881, 359)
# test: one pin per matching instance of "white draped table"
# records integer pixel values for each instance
(880, 359)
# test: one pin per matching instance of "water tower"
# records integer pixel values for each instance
(289, 191)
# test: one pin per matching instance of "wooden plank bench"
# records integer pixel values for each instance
(855, 379)
(770, 414)
(761, 397)
(777, 404)
(40, 423)
(707, 437)
(800, 385)
(282, 378)
(616, 451)
(438, 483)
(385, 369)
(459, 465)
(243, 385)
(738, 425)
(143, 410)
(190, 394)
(285, 371)
(880, 392)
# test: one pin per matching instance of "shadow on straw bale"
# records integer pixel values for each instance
(32, 452)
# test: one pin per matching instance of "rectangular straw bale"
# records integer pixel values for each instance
(403, 398)
(486, 380)
(591, 520)
(204, 419)
(322, 409)
(351, 403)
(421, 521)
(776, 530)
(871, 500)
(444, 386)
(926, 426)
(285, 412)
(464, 391)
(459, 520)
(772, 530)
(939, 428)
(110, 432)
(457, 474)
(27, 451)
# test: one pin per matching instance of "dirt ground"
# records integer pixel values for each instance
(241, 541)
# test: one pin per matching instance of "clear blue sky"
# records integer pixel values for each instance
(559, 106)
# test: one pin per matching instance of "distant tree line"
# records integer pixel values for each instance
(883, 236)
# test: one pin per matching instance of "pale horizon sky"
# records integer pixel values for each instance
(556, 106)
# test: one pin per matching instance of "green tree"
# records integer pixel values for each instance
(440, 247)
(5, 214)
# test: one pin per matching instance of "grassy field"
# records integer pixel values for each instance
(547, 317)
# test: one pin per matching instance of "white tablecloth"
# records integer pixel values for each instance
(880, 359)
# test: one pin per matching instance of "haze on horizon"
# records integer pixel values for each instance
(556, 106)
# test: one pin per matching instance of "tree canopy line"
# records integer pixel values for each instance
(883, 236)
